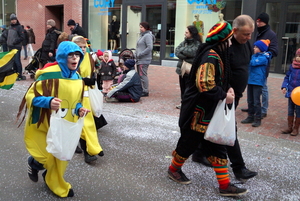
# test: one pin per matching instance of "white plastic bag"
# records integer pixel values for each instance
(63, 136)
(96, 100)
(221, 129)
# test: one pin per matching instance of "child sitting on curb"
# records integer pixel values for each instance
(130, 87)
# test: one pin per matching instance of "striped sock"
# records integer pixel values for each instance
(177, 162)
(222, 175)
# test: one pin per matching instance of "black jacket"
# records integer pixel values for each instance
(14, 36)
(26, 38)
(240, 55)
(79, 31)
(49, 44)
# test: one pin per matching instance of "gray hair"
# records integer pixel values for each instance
(243, 20)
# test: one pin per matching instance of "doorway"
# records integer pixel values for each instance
(134, 13)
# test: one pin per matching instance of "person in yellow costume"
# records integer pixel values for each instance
(89, 138)
(57, 86)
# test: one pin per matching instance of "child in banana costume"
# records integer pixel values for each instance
(57, 86)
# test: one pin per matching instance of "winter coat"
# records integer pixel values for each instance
(240, 55)
(144, 48)
(258, 68)
(186, 51)
(49, 43)
(202, 93)
(14, 36)
(107, 69)
(266, 32)
(131, 84)
(79, 31)
(26, 38)
(291, 80)
(31, 36)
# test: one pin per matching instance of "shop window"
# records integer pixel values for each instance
(203, 16)
(105, 25)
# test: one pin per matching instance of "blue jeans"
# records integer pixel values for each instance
(18, 64)
(253, 98)
(265, 99)
(293, 108)
(25, 50)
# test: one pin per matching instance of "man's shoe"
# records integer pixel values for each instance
(144, 94)
(244, 174)
(263, 115)
(232, 190)
(244, 109)
(256, 123)
(201, 159)
(78, 150)
(101, 153)
(179, 177)
(248, 120)
(88, 158)
(71, 193)
(33, 173)
(111, 100)
(178, 106)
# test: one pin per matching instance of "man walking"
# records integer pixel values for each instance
(14, 37)
(240, 55)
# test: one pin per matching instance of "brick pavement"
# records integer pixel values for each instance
(165, 95)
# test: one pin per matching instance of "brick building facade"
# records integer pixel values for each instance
(35, 13)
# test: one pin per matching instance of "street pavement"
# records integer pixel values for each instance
(138, 142)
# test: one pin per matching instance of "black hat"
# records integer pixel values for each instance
(71, 22)
(13, 17)
(129, 63)
(263, 17)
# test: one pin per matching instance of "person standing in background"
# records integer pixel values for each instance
(144, 49)
(49, 44)
(24, 43)
(31, 40)
(3, 42)
(14, 37)
(264, 31)
(76, 29)
(186, 51)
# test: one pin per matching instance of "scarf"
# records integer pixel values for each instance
(296, 64)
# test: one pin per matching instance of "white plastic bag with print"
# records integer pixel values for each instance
(96, 100)
(63, 136)
(221, 129)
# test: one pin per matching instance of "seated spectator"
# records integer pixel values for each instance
(130, 87)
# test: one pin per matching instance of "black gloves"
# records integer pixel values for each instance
(89, 81)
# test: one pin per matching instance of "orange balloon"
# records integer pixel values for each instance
(295, 96)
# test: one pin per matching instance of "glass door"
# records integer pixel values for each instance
(291, 36)
(151, 13)
(134, 18)
(153, 17)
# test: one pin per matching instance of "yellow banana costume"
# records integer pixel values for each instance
(89, 132)
(89, 137)
(58, 81)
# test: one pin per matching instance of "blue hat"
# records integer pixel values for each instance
(3, 26)
(263, 45)
(129, 63)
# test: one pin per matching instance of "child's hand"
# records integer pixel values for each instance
(83, 112)
(55, 104)
(283, 90)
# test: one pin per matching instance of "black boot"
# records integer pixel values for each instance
(248, 120)
(200, 158)
(257, 122)
(87, 158)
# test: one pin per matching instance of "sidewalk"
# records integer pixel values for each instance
(164, 95)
